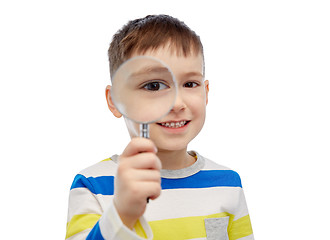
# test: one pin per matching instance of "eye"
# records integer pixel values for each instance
(155, 86)
(190, 84)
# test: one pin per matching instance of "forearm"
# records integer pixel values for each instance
(112, 227)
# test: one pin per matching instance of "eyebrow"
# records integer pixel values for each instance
(192, 74)
(149, 70)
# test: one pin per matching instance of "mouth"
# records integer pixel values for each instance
(174, 124)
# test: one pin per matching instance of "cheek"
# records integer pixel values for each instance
(197, 104)
(198, 110)
(196, 95)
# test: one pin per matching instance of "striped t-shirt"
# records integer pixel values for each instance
(202, 201)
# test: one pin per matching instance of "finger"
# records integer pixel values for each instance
(144, 161)
(155, 193)
(145, 175)
(151, 190)
(138, 145)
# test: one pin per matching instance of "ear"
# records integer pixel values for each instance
(206, 84)
(111, 105)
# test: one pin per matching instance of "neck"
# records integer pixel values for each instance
(173, 160)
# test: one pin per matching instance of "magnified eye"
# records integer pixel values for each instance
(155, 86)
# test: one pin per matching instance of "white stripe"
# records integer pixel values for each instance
(184, 203)
(105, 168)
(82, 201)
(178, 203)
(242, 209)
(210, 165)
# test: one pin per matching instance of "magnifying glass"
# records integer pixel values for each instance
(143, 90)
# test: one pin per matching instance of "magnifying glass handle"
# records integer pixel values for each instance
(144, 130)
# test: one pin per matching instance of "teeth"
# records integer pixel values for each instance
(174, 124)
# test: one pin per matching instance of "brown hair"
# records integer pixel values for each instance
(152, 32)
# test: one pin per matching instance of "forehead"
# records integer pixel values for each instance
(178, 63)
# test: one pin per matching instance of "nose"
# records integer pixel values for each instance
(179, 104)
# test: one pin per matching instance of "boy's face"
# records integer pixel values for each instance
(186, 118)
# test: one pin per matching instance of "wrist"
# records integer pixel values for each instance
(127, 219)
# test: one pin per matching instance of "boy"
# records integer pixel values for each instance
(191, 196)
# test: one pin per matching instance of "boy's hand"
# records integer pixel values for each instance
(138, 178)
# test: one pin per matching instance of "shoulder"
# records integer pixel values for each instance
(106, 167)
(98, 178)
(211, 165)
(220, 172)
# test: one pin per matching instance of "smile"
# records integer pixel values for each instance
(173, 124)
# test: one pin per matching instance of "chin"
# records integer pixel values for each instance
(172, 144)
(163, 148)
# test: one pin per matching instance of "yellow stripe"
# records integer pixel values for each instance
(240, 228)
(139, 230)
(183, 228)
(107, 159)
(80, 223)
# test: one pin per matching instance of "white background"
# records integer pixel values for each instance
(268, 63)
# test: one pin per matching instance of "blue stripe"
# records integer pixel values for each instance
(98, 185)
(95, 233)
(205, 179)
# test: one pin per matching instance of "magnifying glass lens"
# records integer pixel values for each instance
(143, 89)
